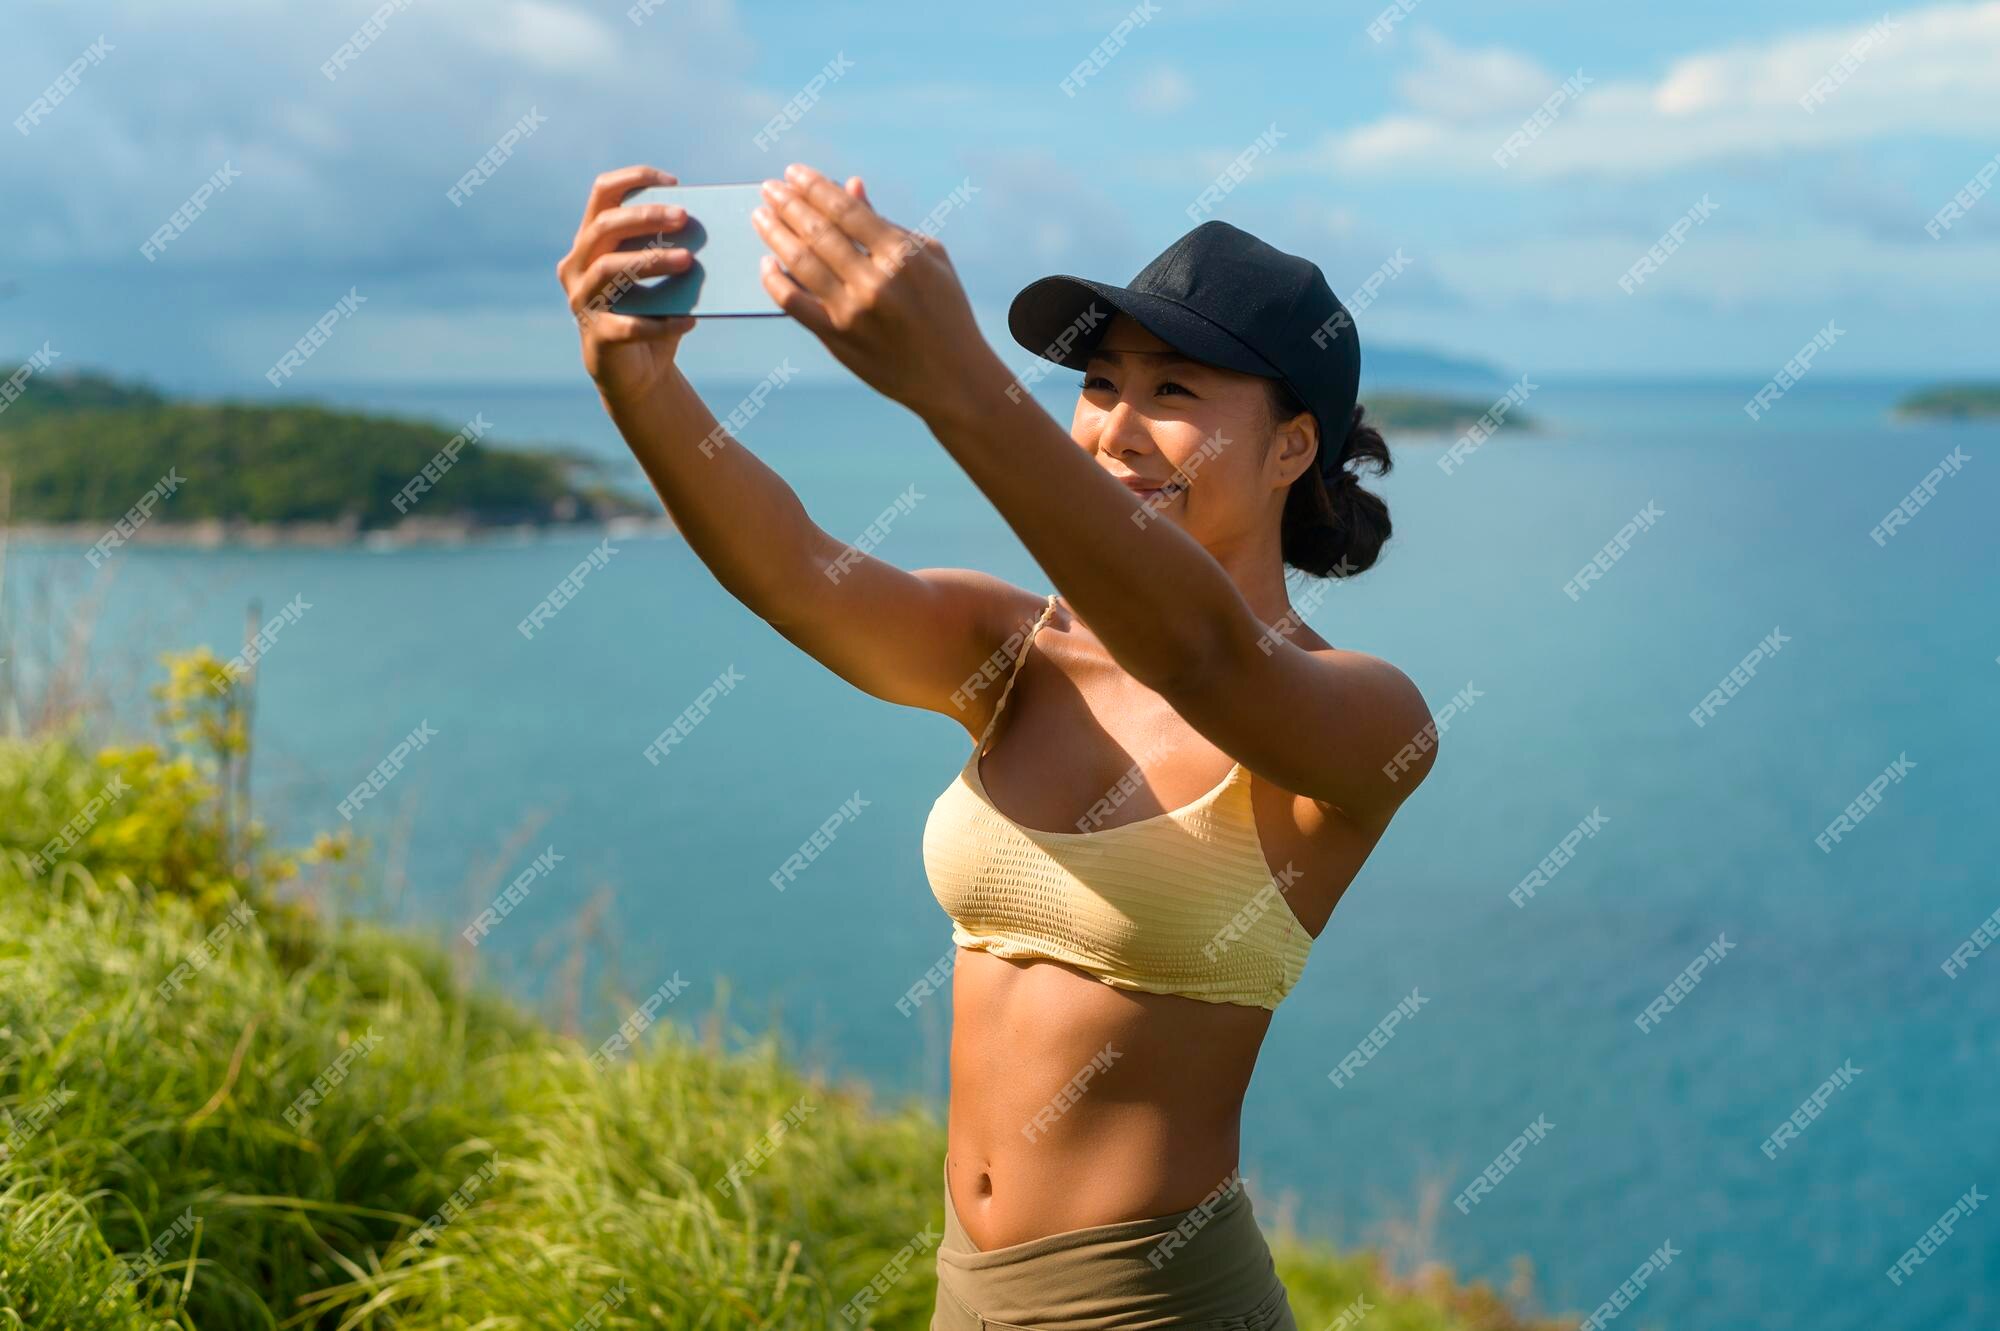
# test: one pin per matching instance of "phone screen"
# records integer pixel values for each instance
(724, 281)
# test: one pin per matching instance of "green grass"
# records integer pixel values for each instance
(600, 1180)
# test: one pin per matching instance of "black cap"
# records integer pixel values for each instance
(1223, 297)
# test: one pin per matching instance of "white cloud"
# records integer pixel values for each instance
(1163, 90)
(547, 35)
(1460, 85)
(1929, 71)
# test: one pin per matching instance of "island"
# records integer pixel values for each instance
(1429, 414)
(1950, 402)
(83, 451)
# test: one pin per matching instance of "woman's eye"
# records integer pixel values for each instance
(1099, 381)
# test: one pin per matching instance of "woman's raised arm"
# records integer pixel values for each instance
(908, 637)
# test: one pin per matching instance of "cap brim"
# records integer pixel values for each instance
(1054, 318)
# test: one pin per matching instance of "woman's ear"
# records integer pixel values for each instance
(1293, 446)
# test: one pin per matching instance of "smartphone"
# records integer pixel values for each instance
(724, 282)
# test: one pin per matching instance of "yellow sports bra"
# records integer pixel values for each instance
(1178, 903)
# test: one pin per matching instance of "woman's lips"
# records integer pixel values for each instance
(1155, 491)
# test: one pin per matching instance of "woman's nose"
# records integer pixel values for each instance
(1123, 432)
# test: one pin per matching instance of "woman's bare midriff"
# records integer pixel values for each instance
(1074, 1103)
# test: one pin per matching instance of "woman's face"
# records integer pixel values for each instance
(1195, 442)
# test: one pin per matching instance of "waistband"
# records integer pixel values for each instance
(1208, 1261)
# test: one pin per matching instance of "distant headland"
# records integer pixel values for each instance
(1951, 401)
(86, 453)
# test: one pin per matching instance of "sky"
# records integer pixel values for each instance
(1075, 137)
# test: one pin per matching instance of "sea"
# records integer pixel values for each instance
(1672, 977)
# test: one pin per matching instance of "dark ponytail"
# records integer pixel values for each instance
(1333, 531)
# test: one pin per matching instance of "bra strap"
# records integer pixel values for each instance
(1019, 659)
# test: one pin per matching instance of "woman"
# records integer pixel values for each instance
(1173, 778)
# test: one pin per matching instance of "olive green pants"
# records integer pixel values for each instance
(1207, 1267)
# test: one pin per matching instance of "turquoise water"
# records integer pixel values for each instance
(1582, 705)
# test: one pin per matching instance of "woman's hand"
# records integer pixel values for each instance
(892, 310)
(626, 354)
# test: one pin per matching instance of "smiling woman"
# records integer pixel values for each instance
(1188, 776)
